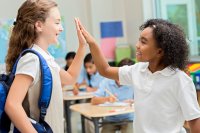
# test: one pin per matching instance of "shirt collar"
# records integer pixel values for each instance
(168, 71)
(45, 54)
(95, 74)
(113, 83)
(144, 67)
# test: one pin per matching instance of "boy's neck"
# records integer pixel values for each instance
(153, 67)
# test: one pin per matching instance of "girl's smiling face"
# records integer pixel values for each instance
(52, 27)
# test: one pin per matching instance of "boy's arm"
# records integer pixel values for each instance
(194, 125)
(102, 65)
(90, 89)
(100, 100)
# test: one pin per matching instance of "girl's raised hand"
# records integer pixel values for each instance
(81, 38)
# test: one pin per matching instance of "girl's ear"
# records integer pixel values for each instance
(38, 26)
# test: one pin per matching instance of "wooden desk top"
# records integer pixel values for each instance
(89, 110)
(71, 87)
(68, 95)
(67, 88)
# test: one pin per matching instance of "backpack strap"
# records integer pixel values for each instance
(46, 82)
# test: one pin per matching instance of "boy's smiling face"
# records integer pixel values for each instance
(146, 49)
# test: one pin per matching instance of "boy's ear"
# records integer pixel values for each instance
(160, 52)
(38, 26)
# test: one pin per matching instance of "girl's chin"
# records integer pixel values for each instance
(55, 43)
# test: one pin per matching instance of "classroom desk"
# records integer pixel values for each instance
(94, 113)
(68, 97)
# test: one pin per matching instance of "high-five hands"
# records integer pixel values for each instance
(81, 38)
(82, 32)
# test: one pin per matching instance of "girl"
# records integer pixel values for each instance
(37, 25)
(164, 95)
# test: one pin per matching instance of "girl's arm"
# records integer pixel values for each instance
(13, 106)
(102, 65)
(70, 76)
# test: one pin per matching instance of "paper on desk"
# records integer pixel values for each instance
(115, 104)
(70, 93)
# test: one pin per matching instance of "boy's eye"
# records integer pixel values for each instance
(142, 41)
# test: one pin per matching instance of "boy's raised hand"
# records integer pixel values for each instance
(89, 39)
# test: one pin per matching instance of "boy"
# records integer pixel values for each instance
(164, 95)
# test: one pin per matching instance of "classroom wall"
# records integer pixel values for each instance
(149, 9)
(91, 13)
(107, 11)
(134, 18)
(70, 9)
(8, 10)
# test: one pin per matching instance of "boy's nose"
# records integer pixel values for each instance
(137, 45)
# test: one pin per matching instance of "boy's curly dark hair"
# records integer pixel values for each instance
(172, 40)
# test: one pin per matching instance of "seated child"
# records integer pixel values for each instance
(89, 76)
(122, 93)
(69, 58)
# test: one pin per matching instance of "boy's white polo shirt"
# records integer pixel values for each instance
(163, 100)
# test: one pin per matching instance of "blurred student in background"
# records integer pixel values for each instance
(122, 93)
(89, 77)
(69, 58)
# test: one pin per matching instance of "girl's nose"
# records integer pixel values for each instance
(61, 28)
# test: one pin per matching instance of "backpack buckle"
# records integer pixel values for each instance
(43, 112)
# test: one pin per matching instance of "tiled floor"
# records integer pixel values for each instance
(76, 122)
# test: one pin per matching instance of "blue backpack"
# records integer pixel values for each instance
(44, 100)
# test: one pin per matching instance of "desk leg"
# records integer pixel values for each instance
(96, 124)
(83, 123)
(68, 116)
